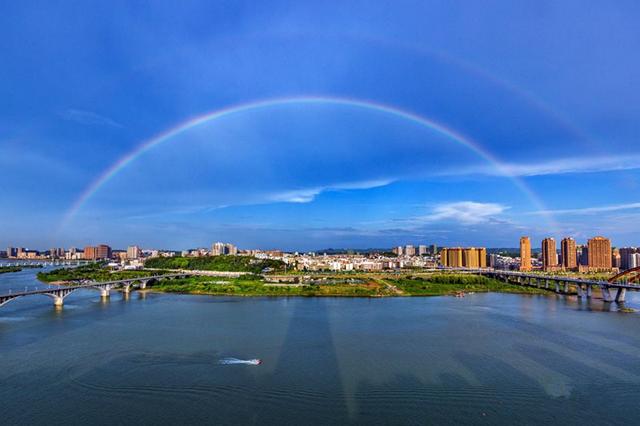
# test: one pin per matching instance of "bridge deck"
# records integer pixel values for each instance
(569, 280)
(91, 285)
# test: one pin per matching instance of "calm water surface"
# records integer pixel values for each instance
(154, 359)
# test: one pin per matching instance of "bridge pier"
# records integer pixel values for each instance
(557, 287)
(546, 284)
(143, 284)
(580, 291)
(606, 294)
(59, 295)
(589, 290)
(105, 290)
(566, 288)
(620, 295)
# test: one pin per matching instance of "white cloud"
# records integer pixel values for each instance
(559, 166)
(297, 195)
(466, 212)
(591, 210)
(88, 118)
(306, 195)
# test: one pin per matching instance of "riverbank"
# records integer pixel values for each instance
(334, 285)
(434, 285)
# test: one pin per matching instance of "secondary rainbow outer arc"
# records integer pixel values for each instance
(267, 103)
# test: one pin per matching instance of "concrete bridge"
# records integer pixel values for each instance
(60, 293)
(611, 290)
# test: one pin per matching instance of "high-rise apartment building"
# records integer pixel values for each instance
(90, 253)
(409, 250)
(56, 253)
(626, 256)
(470, 258)
(133, 252)
(525, 254)
(599, 253)
(451, 257)
(422, 250)
(583, 255)
(569, 252)
(434, 249)
(217, 249)
(549, 254)
(616, 259)
(103, 251)
(481, 252)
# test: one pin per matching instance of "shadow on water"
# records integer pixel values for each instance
(307, 361)
(570, 338)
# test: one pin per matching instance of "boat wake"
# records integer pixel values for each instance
(235, 361)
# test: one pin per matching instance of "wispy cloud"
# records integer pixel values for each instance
(20, 159)
(559, 166)
(591, 210)
(306, 195)
(466, 212)
(88, 118)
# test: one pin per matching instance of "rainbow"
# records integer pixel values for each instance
(165, 136)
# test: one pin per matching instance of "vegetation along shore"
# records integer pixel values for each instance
(259, 279)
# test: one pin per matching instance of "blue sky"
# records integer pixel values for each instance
(545, 92)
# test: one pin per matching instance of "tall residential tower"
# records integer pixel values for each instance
(525, 254)
(549, 254)
(569, 252)
(599, 253)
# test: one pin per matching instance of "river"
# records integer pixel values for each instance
(155, 359)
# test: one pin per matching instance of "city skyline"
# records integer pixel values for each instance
(596, 256)
(301, 131)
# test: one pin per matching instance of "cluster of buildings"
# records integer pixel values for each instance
(596, 255)
(411, 250)
(351, 262)
(99, 252)
(217, 249)
(464, 257)
(509, 263)
(22, 253)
